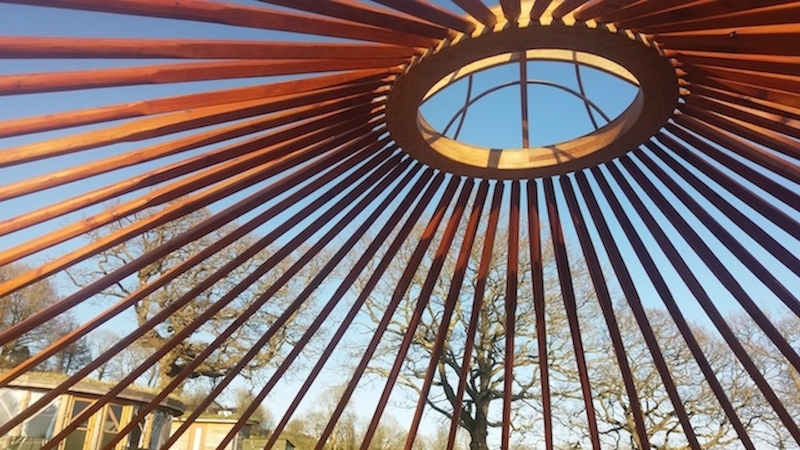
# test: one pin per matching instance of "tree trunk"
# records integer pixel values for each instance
(479, 432)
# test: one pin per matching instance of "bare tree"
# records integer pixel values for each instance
(242, 398)
(768, 430)
(124, 362)
(485, 375)
(70, 359)
(305, 430)
(709, 422)
(24, 303)
(242, 340)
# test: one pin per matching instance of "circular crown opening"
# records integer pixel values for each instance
(624, 56)
(517, 101)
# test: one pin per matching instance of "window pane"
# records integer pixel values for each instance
(77, 407)
(75, 440)
(42, 423)
(113, 417)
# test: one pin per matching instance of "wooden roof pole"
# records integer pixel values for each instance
(607, 306)
(178, 73)
(172, 171)
(229, 178)
(55, 121)
(74, 47)
(765, 208)
(538, 296)
(707, 304)
(477, 303)
(383, 173)
(408, 273)
(336, 161)
(231, 174)
(426, 291)
(201, 139)
(661, 287)
(343, 287)
(240, 16)
(450, 301)
(571, 308)
(404, 232)
(166, 124)
(511, 300)
(363, 13)
(154, 254)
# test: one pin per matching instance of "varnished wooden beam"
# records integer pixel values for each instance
(758, 202)
(478, 10)
(158, 175)
(450, 301)
(790, 99)
(432, 13)
(774, 122)
(484, 265)
(566, 7)
(745, 222)
(170, 148)
(538, 8)
(639, 8)
(177, 73)
(166, 124)
(660, 284)
(538, 298)
(59, 120)
(234, 14)
(764, 106)
(366, 14)
(763, 136)
(421, 248)
(705, 15)
(511, 10)
(607, 307)
(511, 300)
(320, 172)
(223, 180)
(768, 39)
(773, 82)
(771, 64)
(362, 188)
(593, 9)
(72, 47)
(378, 271)
(571, 309)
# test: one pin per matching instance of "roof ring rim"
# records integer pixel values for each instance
(621, 53)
